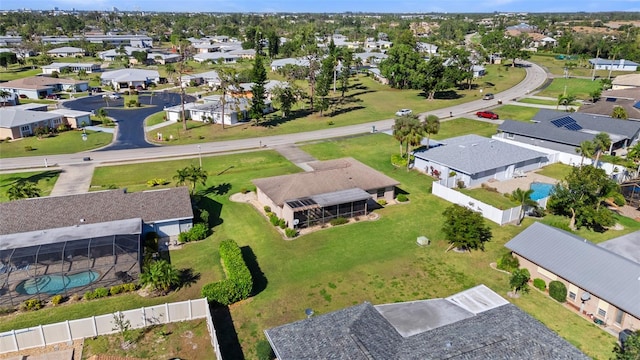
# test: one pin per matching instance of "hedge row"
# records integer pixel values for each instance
(238, 284)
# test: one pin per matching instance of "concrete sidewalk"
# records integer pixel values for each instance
(73, 179)
(294, 154)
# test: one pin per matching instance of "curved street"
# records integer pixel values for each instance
(535, 77)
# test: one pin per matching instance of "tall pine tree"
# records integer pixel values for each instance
(259, 94)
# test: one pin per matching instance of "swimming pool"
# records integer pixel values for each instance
(56, 284)
(541, 190)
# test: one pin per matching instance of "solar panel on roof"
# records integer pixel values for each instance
(637, 105)
(563, 121)
(573, 126)
(611, 99)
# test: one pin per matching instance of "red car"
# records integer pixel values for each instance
(487, 115)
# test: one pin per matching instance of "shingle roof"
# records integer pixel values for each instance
(130, 75)
(628, 80)
(545, 132)
(328, 176)
(363, 332)
(94, 207)
(65, 49)
(10, 118)
(38, 82)
(626, 246)
(592, 122)
(473, 154)
(605, 274)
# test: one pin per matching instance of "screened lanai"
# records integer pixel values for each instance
(322, 208)
(68, 260)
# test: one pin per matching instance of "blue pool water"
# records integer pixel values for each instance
(55, 284)
(541, 190)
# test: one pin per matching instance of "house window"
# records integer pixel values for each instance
(380, 193)
(572, 295)
(56, 121)
(511, 136)
(25, 128)
(602, 312)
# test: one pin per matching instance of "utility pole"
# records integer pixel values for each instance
(593, 75)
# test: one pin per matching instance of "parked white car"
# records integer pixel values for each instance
(403, 112)
(113, 96)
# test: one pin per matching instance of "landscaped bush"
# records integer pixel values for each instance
(89, 295)
(6, 310)
(32, 305)
(156, 182)
(28, 148)
(558, 291)
(57, 299)
(264, 351)
(382, 202)
(338, 221)
(129, 287)
(290, 233)
(539, 284)
(267, 209)
(273, 218)
(399, 161)
(508, 262)
(198, 232)
(402, 198)
(618, 199)
(100, 293)
(282, 223)
(115, 290)
(204, 217)
(238, 284)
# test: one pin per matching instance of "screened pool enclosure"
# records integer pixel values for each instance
(68, 260)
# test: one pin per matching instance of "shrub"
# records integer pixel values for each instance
(618, 199)
(198, 232)
(402, 198)
(129, 287)
(539, 284)
(115, 290)
(330, 122)
(100, 293)
(204, 217)
(264, 351)
(156, 182)
(558, 291)
(238, 284)
(398, 160)
(274, 219)
(89, 295)
(282, 223)
(338, 221)
(382, 202)
(244, 190)
(126, 92)
(290, 233)
(32, 305)
(56, 300)
(461, 184)
(508, 262)
(267, 209)
(183, 237)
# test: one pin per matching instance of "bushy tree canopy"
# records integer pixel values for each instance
(465, 228)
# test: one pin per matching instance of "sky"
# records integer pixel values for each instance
(331, 6)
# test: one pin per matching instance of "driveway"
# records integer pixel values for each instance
(130, 134)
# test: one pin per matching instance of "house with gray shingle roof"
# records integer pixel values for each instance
(476, 159)
(96, 237)
(19, 123)
(66, 51)
(334, 188)
(423, 329)
(600, 283)
(561, 131)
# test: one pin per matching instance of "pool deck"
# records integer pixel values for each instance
(507, 186)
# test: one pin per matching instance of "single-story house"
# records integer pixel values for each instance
(139, 41)
(628, 81)
(19, 123)
(66, 51)
(335, 188)
(226, 58)
(40, 86)
(244, 53)
(371, 58)
(97, 236)
(206, 47)
(246, 88)
(627, 98)
(236, 110)
(375, 72)
(112, 54)
(10, 40)
(478, 71)
(615, 65)
(475, 159)
(160, 58)
(427, 48)
(73, 118)
(561, 131)
(379, 44)
(599, 282)
(210, 78)
(129, 78)
(473, 324)
(73, 67)
(280, 63)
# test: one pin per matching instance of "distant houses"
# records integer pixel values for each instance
(614, 65)
(67, 51)
(130, 78)
(71, 67)
(37, 87)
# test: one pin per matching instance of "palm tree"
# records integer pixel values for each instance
(619, 113)
(4, 95)
(565, 100)
(82, 73)
(586, 149)
(601, 142)
(23, 190)
(415, 134)
(523, 197)
(634, 153)
(400, 128)
(191, 174)
(431, 126)
(102, 114)
(160, 275)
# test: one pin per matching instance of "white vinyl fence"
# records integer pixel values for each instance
(67, 331)
(489, 212)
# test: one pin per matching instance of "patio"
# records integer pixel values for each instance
(508, 186)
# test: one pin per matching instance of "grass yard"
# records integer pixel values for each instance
(187, 340)
(366, 101)
(376, 261)
(557, 171)
(18, 72)
(44, 180)
(155, 119)
(464, 126)
(580, 88)
(492, 198)
(62, 143)
(515, 112)
(543, 102)
(583, 68)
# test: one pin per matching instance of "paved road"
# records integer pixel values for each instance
(536, 76)
(130, 134)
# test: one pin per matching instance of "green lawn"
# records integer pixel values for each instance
(45, 180)
(556, 66)
(63, 143)
(580, 88)
(557, 171)
(18, 72)
(376, 261)
(515, 112)
(463, 126)
(492, 198)
(543, 102)
(366, 101)
(155, 119)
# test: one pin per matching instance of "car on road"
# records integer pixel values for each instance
(488, 96)
(403, 112)
(487, 115)
(113, 96)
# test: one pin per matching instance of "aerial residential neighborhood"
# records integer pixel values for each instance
(319, 181)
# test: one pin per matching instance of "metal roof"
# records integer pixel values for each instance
(473, 154)
(340, 197)
(599, 271)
